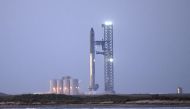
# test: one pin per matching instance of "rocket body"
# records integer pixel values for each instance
(92, 61)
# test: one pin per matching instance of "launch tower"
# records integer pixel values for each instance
(107, 51)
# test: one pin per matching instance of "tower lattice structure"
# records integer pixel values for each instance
(107, 52)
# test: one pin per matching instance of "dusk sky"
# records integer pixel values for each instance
(47, 39)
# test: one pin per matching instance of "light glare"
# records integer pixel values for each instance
(108, 23)
(111, 59)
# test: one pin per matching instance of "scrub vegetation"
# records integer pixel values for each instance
(51, 99)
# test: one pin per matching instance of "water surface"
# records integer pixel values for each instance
(107, 108)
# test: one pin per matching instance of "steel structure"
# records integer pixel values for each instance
(53, 86)
(74, 86)
(107, 51)
(92, 86)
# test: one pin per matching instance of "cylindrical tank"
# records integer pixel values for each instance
(60, 86)
(66, 85)
(74, 87)
(53, 86)
(179, 90)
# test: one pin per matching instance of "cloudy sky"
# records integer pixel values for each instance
(46, 39)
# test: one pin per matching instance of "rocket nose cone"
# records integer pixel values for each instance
(91, 30)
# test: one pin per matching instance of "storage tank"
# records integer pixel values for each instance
(66, 85)
(60, 86)
(53, 86)
(179, 90)
(74, 87)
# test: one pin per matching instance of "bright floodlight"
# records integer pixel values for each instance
(111, 59)
(108, 23)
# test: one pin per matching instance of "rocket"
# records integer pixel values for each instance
(92, 60)
(92, 85)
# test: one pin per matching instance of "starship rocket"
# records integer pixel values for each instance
(92, 85)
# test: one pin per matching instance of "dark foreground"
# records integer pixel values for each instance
(132, 100)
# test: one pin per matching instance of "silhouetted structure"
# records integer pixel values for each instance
(92, 86)
(107, 51)
(65, 85)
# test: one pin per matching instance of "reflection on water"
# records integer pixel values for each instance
(107, 108)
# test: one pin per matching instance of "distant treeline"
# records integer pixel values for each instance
(88, 99)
